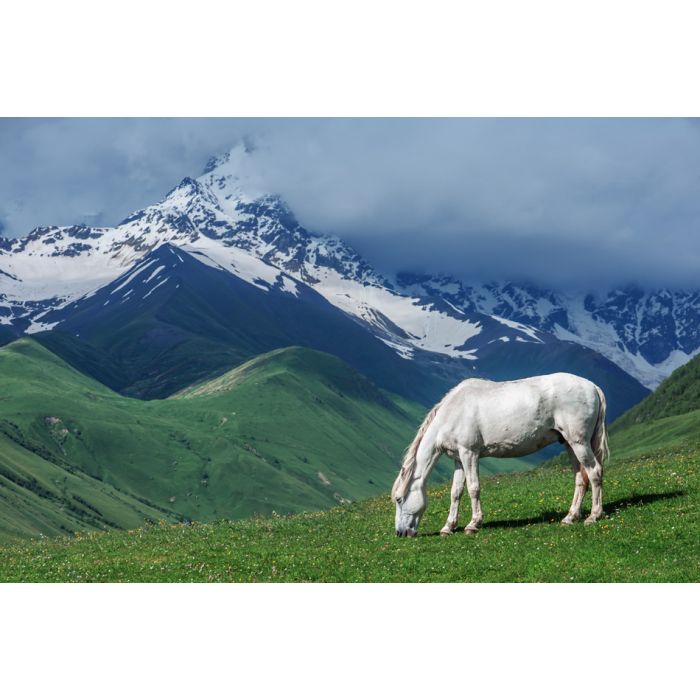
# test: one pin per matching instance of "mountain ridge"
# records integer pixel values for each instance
(226, 217)
(177, 317)
(646, 333)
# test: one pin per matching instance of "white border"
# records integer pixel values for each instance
(345, 641)
(350, 58)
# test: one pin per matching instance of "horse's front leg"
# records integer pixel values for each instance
(458, 482)
(470, 462)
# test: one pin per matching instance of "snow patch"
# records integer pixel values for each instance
(155, 273)
(289, 286)
(150, 291)
(518, 327)
(139, 269)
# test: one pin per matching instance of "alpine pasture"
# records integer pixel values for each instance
(651, 530)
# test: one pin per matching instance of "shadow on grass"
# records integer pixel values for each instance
(551, 516)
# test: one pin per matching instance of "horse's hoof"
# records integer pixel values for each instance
(445, 533)
(568, 521)
(470, 530)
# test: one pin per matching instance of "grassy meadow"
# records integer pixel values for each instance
(651, 533)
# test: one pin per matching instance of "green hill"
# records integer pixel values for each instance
(677, 394)
(651, 530)
(39, 496)
(291, 430)
(299, 430)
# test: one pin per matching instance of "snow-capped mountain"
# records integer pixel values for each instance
(223, 216)
(225, 220)
(648, 334)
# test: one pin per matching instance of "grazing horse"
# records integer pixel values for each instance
(480, 418)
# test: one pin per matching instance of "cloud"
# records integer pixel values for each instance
(65, 171)
(572, 202)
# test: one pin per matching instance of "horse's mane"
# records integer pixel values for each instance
(408, 465)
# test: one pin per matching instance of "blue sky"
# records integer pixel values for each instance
(563, 202)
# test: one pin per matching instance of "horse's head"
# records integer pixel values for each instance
(411, 501)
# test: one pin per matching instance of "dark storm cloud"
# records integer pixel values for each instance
(564, 202)
(65, 171)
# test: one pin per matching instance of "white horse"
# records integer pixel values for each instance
(480, 418)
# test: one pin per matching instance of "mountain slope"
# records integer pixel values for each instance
(46, 496)
(297, 430)
(177, 317)
(677, 395)
(646, 333)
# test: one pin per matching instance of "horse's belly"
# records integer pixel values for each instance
(519, 445)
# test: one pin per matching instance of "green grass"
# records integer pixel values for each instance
(677, 394)
(651, 533)
(664, 433)
(651, 492)
(303, 431)
(38, 496)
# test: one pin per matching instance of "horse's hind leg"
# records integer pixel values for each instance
(594, 472)
(580, 488)
(458, 482)
(470, 462)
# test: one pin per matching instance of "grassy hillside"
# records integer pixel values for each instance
(39, 496)
(302, 430)
(677, 394)
(291, 430)
(651, 533)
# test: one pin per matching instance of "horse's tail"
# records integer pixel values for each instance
(599, 441)
(408, 465)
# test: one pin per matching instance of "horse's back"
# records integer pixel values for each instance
(556, 385)
(518, 416)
